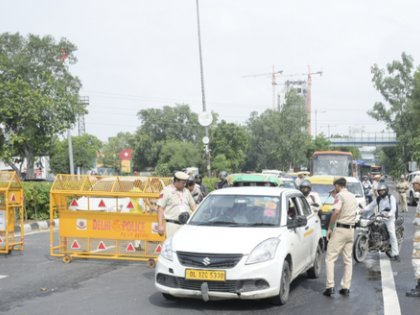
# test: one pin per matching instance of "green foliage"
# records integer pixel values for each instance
(210, 183)
(229, 142)
(39, 98)
(397, 87)
(178, 155)
(85, 150)
(37, 200)
(111, 151)
(159, 125)
(163, 170)
(320, 143)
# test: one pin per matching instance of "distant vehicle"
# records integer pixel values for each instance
(255, 180)
(376, 170)
(276, 173)
(412, 195)
(289, 183)
(333, 163)
(242, 243)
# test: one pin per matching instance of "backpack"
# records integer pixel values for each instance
(378, 199)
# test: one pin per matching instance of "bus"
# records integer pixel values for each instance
(361, 169)
(335, 163)
(375, 170)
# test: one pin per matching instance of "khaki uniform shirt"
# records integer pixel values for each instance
(170, 200)
(346, 203)
(416, 221)
(298, 181)
(402, 187)
(374, 186)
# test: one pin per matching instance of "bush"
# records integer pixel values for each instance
(210, 183)
(37, 199)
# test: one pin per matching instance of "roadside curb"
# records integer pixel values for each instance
(41, 225)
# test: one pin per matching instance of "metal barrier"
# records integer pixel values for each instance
(106, 217)
(11, 206)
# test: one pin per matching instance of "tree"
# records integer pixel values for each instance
(396, 86)
(320, 143)
(85, 151)
(159, 125)
(39, 98)
(111, 151)
(293, 134)
(220, 163)
(263, 138)
(178, 155)
(231, 141)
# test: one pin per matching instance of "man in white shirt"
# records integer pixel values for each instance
(387, 201)
(312, 197)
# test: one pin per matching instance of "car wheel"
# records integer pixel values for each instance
(412, 201)
(315, 271)
(360, 248)
(283, 296)
(169, 297)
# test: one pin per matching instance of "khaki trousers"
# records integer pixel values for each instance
(403, 202)
(416, 254)
(171, 229)
(340, 242)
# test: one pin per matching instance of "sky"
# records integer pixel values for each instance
(140, 54)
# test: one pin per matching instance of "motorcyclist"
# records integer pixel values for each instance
(387, 207)
(199, 181)
(312, 197)
(367, 186)
(222, 183)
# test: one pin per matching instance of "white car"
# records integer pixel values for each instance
(242, 243)
(355, 187)
(412, 195)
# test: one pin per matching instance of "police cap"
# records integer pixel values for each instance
(181, 176)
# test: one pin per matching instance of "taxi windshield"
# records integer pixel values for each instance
(238, 210)
(324, 193)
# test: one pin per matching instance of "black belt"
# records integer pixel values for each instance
(346, 226)
(172, 221)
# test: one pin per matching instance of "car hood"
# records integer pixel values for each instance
(221, 240)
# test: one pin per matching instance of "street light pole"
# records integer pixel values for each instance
(202, 87)
(70, 151)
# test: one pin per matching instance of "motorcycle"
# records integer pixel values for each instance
(373, 235)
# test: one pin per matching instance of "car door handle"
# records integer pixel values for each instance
(307, 228)
(316, 221)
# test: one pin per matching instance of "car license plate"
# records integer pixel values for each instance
(210, 275)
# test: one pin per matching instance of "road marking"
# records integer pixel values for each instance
(389, 293)
(1, 277)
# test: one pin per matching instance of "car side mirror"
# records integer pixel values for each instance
(298, 221)
(315, 204)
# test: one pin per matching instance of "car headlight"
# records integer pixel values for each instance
(264, 251)
(167, 249)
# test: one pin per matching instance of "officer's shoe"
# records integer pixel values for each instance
(329, 291)
(344, 292)
(397, 258)
(413, 293)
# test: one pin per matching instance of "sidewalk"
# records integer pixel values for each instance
(37, 226)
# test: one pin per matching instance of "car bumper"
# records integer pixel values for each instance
(268, 271)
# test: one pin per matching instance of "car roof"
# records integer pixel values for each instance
(253, 191)
(329, 179)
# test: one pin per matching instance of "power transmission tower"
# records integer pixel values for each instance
(81, 118)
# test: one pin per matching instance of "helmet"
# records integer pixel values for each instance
(305, 183)
(183, 217)
(198, 176)
(223, 173)
(190, 181)
(383, 186)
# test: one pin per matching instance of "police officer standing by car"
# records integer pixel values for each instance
(174, 201)
(341, 241)
(415, 259)
(402, 188)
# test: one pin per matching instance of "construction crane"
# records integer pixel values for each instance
(309, 74)
(273, 82)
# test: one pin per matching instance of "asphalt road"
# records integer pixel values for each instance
(38, 284)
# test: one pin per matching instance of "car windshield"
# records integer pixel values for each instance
(324, 193)
(238, 211)
(356, 189)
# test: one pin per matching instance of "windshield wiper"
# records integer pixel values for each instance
(218, 223)
(261, 224)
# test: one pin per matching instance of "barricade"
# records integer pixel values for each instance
(106, 217)
(11, 209)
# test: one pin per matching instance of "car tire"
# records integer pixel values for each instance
(169, 297)
(315, 271)
(284, 291)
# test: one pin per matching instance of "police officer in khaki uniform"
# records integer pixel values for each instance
(402, 188)
(416, 244)
(174, 200)
(299, 179)
(341, 241)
